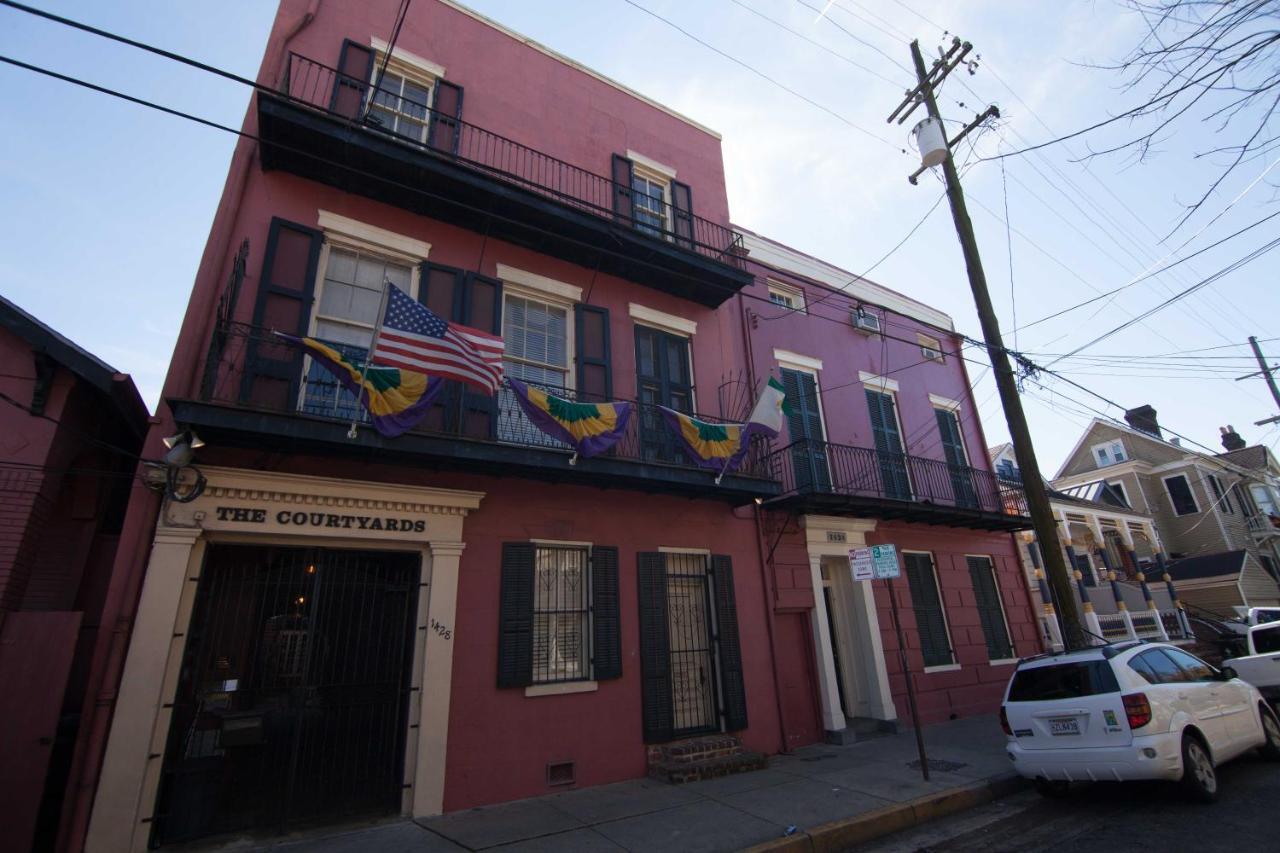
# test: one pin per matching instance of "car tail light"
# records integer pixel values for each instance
(1004, 721)
(1137, 709)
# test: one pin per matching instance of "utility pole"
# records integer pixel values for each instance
(1269, 373)
(1037, 496)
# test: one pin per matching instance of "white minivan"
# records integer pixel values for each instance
(1131, 711)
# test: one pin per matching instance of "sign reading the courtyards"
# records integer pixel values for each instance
(298, 518)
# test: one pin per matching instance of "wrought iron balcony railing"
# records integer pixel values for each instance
(313, 393)
(823, 469)
(439, 134)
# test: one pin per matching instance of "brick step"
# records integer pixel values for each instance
(708, 768)
(698, 749)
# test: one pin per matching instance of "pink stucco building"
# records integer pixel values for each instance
(336, 624)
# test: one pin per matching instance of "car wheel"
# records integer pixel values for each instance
(1271, 728)
(1199, 778)
(1052, 789)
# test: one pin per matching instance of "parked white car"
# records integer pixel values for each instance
(1131, 711)
(1257, 660)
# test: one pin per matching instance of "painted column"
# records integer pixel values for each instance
(1121, 607)
(1151, 606)
(1183, 621)
(829, 688)
(1091, 623)
(1050, 614)
(437, 677)
(121, 819)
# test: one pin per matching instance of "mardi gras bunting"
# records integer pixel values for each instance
(395, 399)
(590, 428)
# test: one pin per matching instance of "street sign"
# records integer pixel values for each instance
(884, 561)
(860, 563)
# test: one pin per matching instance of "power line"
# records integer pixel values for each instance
(784, 87)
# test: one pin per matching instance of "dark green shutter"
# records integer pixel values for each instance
(446, 115)
(727, 636)
(682, 213)
(655, 652)
(963, 491)
(515, 615)
(595, 362)
(622, 171)
(355, 69)
(931, 624)
(804, 425)
(606, 648)
(987, 594)
(481, 309)
(286, 290)
(888, 443)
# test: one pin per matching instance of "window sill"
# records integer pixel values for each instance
(1002, 662)
(946, 667)
(561, 689)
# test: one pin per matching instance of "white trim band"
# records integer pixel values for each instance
(787, 358)
(539, 283)
(409, 247)
(872, 380)
(670, 322)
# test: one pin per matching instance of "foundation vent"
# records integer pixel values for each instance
(560, 773)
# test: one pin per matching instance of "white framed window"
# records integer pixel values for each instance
(401, 99)
(1109, 453)
(930, 348)
(786, 296)
(538, 333)
(651, 201)
(1181, 496)
(1264, 498)
(561, 614)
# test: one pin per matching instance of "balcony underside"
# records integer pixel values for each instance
(888, 509)
(231, 426)
(331, 150)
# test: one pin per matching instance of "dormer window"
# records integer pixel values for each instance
(1109, 453)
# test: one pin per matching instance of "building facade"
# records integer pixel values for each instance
(1203, 504)
(336, 624)
(71, 427)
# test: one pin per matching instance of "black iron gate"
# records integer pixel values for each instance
(689, 631)
(292, 701)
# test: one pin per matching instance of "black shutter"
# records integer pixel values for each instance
(595, 367)
(286, 289)
(888, 444)
(355, 69)
(481, 309)
(441, 289)
(606, 641)
(682, 212)
(732, 687)
(515, 616)
(991, 614)
(931, 625)
(446, 118)
(804, 422)
(622, 188)
(655, 652)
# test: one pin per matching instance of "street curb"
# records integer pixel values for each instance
(859, 829)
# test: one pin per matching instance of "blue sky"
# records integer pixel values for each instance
(107, 205)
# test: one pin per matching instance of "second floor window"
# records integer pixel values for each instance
(1184, 502)
(401, 104)
(1264, 498)
(536, 334)
(1220, 496)
(649, 202)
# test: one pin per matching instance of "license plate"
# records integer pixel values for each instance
(1070, 726)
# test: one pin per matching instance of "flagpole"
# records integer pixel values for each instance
(373, 345)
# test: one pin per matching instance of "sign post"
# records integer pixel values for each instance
(881, 562)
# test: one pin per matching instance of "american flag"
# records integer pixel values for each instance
(415, 338)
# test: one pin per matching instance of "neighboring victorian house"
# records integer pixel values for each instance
(884, 447)
(1217, 541)
(1100, 533)
(71, 428)
(336, 625)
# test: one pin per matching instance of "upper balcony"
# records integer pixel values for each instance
(260, 394)
(837, 479)
(333, 128)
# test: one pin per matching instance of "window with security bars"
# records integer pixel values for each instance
(926, 602)
(990, 612)
(561, 615)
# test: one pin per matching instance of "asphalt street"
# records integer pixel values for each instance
(1114, 817)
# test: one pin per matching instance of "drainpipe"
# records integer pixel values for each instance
(769, 583)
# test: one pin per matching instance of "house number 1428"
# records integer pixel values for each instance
(441, 630)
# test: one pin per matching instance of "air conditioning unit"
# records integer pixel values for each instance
(866, 322)
(931, 353)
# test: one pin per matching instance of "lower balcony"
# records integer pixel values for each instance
(258, 393)
(838, 479)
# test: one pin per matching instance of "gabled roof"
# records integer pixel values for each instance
(999, 450)
(1207, 566)
(41, 338)
(1098, 492)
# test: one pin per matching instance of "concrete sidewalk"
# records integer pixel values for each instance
(812, 788)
